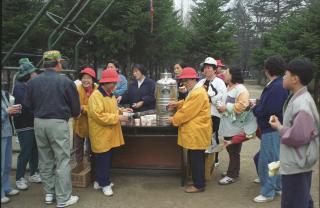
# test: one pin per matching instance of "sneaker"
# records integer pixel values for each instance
(22, 184)
(96, 185)
(35, 178)
(49, 198)
(71, 201)
(107, 190)
(5, 200)
(261, 199)
(227, 180)
(257, 180)
(13, 192)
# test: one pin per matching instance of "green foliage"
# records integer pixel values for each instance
(209, 32)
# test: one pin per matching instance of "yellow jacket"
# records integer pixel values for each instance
(193, 118)
(80, 125)
(104, 125)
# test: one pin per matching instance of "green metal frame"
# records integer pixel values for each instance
(63, 25)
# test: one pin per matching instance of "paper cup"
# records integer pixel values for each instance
(137, 121)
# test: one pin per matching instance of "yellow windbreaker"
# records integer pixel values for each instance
(104, 125)
(80, 125)
(194, 120)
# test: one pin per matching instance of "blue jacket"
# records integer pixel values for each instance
(23, 121)
(122, 86)
(6, 126)
(145, 93)
(271, 102)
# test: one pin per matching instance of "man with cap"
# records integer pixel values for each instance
(215, 88)
(105, 128)
(24, 126)
(195, 128)
(53, 99)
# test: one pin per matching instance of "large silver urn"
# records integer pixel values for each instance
(166, 91)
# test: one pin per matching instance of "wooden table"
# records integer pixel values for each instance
(150, 148)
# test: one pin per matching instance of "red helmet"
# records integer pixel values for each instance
(109, 75)
(188, 73)
(219, 63)
(88, 71)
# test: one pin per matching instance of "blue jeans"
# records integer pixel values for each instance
(269, 152)
(28, 153)
(6, 159)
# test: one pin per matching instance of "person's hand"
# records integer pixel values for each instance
(170, 120)
(128, 110)
(173, 104)
(123, 118)
(182, 89)
(137, 105)
(274, 122)
(119, 99)
(222, 108)
(15, 109)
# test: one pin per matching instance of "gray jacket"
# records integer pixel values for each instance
(6, 127)
(299, 149)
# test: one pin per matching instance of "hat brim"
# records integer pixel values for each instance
(188, 77)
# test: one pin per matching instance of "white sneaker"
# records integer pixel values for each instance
(261, 199)
(257, 180)
(107, 190)
(96, 185)
(22, 184)
(71, 201)
(35, 178)
(13, 192)
(49, 198)
(5, 200)
(227, 180)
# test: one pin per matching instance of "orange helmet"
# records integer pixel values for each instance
(109, 75)
(188, 73)
(88, 71)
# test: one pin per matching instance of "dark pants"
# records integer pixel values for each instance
(234, 159)
(296, 191)
(215, 129)
(256, 161)
(103, 166)
(197, 167)
(28, 153)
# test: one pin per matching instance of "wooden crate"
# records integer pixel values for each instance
(81, 175)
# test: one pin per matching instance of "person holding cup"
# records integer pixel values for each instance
(6, 146)
(24, 125)
(105, 128)
(193, 119)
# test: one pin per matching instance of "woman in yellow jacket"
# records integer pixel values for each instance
(80, 124)
(193, 117)
(104, 128)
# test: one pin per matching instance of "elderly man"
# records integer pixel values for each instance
(193, 117)
(53, 99)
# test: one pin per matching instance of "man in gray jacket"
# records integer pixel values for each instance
(53, 99)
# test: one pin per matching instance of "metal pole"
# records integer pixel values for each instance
(73, 19)
(76, 48)
(62, 23)
(27, 30)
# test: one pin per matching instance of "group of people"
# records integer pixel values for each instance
(216, 105)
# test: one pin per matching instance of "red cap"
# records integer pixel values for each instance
(88, 71)
(109, 75)
(219, 63)
(188, 73)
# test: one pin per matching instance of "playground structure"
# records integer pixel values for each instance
(64, 24)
